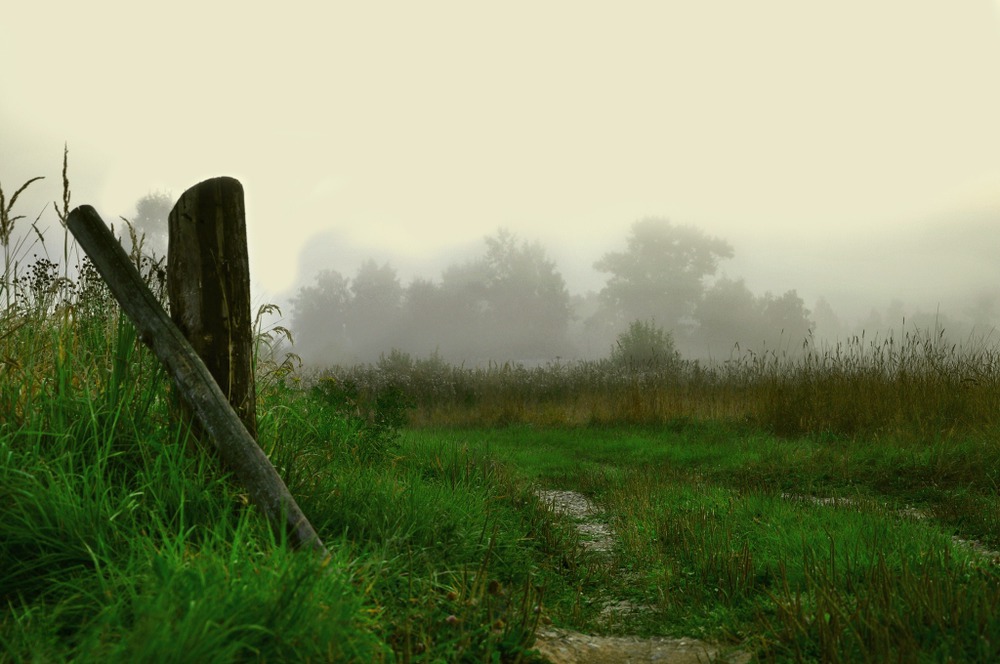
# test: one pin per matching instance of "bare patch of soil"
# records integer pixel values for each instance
(562, 646)
(596, 533)
(565, 647)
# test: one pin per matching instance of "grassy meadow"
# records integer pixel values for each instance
(795, 549)
(839, 506)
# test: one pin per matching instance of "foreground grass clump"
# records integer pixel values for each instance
(119, 545)
(122, 542)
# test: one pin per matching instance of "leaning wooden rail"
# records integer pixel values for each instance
(238, 451)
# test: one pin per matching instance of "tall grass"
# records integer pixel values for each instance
(910, 381)
(120, 542)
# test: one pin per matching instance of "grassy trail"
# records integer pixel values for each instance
(830, 550)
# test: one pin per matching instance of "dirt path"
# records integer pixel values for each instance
(974, 546)
(565, 647)
(562, 646)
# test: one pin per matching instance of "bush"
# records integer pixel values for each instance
(645, 345)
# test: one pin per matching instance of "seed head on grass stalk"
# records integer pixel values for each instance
(7, 223)
(6, 220)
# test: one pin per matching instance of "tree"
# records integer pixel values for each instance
(787, 321)
(150, 222)
(729, 314)
(528, 304)
(374, 310)
(647, 346)
(512, 302)
(427, 319)
(462, 326)
(829, 328)
(319, 318)
(661, 275)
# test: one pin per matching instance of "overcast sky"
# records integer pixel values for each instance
(847, 148)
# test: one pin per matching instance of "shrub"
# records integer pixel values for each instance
(645, 345)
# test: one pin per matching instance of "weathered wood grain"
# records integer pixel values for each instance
(208, 286)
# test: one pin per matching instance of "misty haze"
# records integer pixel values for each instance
(507, 300)
(510, 302)
(746, 178)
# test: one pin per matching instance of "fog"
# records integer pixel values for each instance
(847, 154)
(941, 276)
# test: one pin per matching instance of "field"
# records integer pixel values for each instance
(854, 531)
(796, 549)
(841, 505)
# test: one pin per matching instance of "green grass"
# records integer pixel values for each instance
(121, 542)
(722, 533)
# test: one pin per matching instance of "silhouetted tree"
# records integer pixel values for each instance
(787, 321)
(463, 325)
(645, 346)
(527, 303)
(829, 327)
(374, 310)
(729, 314)
(512, 302)
(426, 325)
(150, 222)
(661, 274)
(319, 319)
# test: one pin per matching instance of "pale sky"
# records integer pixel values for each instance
(837, 145)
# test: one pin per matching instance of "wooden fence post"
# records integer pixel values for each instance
(208, 286)
(237, 449)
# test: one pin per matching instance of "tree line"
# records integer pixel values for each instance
(511, 303)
